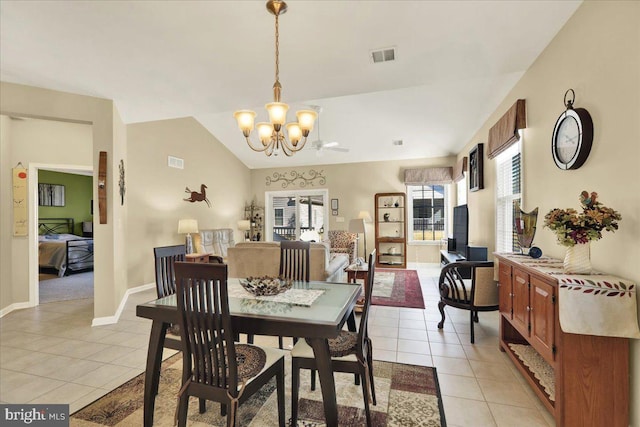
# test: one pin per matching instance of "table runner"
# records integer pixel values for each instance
(590, 304)
(303, 297)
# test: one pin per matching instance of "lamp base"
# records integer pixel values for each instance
(189, 244)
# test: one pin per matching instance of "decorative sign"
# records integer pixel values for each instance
(20, 218)
(197, 197)
(315, 177)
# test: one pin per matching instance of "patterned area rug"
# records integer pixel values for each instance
(407, 396)
(397, 288)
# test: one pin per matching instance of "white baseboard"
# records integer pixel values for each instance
(109, 320)
(15, 306)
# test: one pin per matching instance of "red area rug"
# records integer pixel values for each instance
(401, 290)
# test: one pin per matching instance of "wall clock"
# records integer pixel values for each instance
(572, 136)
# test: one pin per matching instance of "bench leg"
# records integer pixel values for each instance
(441, 308)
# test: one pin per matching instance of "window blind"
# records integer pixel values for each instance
(459, 169)
(508, 191)
(428, 176)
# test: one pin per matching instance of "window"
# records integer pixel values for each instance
(508, 191)
(278, 217)
(426, 209)
(462, 191)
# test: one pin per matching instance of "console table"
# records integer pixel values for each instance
(589, 374)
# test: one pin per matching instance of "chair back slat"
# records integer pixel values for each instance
(165, 258)
(295, 259)
(205, 324)
(363, 332)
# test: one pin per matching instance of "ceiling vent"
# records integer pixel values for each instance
(397, 142)
(383, 55)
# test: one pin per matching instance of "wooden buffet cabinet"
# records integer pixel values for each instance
(591, 372)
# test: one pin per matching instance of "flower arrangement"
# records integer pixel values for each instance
(573, 228)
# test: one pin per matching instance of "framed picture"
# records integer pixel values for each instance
(50, 195)
(476, 168)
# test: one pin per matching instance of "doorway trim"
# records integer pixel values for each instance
(34, 168)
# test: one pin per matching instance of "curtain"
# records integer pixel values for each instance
(459, 169)
(505, 132)
(428, 176)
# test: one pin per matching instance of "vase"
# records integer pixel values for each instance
(577, 260)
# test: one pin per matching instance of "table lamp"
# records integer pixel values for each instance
(357, 226)
(245, 225)
(188, 226)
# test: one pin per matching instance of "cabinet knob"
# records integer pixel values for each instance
(512, 295)
(529, 308)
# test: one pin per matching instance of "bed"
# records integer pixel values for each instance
(60, 249)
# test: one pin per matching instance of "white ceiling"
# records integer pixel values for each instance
(455, 61)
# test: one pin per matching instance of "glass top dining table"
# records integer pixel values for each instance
(323, 319)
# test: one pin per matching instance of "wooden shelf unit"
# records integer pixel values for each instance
(591, 372)
(391, 234)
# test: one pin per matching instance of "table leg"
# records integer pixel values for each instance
(152, 373)
(327, 383)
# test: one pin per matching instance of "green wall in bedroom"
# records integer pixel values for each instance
(78, 194)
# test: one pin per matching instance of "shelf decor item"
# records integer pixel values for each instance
(575, 229)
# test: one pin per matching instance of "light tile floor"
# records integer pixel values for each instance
(51, 354)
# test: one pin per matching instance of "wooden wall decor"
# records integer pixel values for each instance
(102, 187)
(121, 182)
(197, 197)
(298, 178)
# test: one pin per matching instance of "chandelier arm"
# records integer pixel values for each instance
(254, 148)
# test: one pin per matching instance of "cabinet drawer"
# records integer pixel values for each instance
(542, 318)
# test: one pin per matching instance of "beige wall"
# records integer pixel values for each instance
(6, 230)
(597, 54)
(354, 185)
(41, 142)
(155, 191)
(107, 135)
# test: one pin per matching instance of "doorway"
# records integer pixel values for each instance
(291, 215)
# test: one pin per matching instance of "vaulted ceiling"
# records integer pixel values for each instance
(455, 61)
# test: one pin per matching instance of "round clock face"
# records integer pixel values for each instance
(572, 137)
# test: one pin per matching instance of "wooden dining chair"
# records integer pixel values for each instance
(214, 366)
(295, 264)
(165, 259)
(480, 293)
(351, 352)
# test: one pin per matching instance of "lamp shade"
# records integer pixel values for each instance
(244, 225)
(186, 226)
(356, 225)
(365, 215)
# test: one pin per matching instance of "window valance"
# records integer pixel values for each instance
(428, 176)
(505, 132)
(459, 169)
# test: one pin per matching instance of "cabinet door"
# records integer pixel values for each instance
(521, 301)
(505, 290)
(542, 317)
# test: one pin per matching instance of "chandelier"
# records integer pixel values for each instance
(272, 134)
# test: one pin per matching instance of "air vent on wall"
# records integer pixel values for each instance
(383, 55)
(176, 162)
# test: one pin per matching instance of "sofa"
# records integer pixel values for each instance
(215, 242)
(263, 259)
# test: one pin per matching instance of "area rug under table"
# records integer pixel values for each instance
(397, 288)
(407, 396)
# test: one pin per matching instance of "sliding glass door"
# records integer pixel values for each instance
(289, 214)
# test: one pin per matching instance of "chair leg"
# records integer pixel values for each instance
(280, 390)
(280, 346)
(295, 384)
(472, 334)
(475, 316)
(441, 308)
(202, 407)
(370, 363)
(313, 379)
(249, 338)
(365, 395)
(183, 406)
